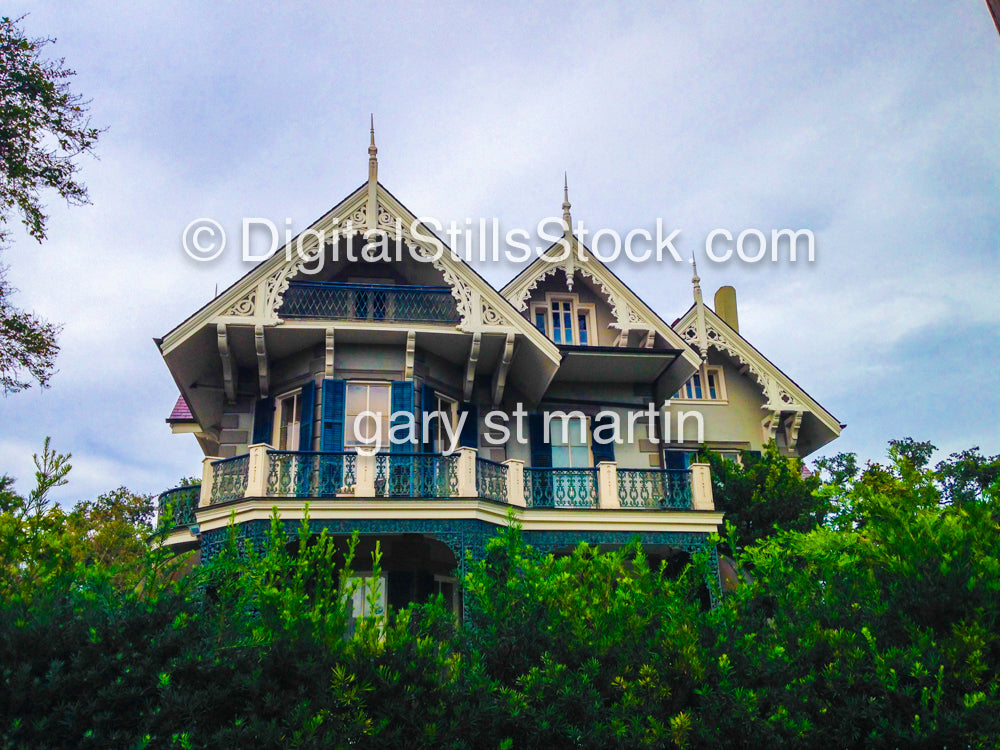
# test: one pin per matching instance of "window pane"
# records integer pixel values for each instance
(540, 321)
(697, 386)
(712, 391)
(357, 399)
(581, 322)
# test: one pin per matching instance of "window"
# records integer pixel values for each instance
(572, 449)
(286, 427)
(712, 389)
(733, 456)
(565, 320)
(362, 397)
(678, 459)
(447, 409)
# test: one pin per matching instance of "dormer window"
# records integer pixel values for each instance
(710, 388)
(565, 320)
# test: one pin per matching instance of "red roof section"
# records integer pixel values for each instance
(181, 412)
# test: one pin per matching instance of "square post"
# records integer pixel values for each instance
(607, 485)
(207, 477)
(467, 473)
(366, 475)
(257, 470)
(701, 487)
(515, 482)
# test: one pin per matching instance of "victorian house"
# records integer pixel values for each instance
(294, 379)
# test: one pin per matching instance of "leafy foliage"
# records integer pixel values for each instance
(879, 627)
(44, 128)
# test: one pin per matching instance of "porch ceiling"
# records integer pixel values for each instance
(604, 364)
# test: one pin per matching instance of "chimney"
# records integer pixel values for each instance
(725, 307)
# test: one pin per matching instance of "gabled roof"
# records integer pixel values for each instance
(781, 393)
(629, 310)
(255, 298)
(181, 411)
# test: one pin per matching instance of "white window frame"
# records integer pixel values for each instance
(349, 421)
(444, 403)
(573, 431)
(720, 387)
(577, 309)
(279, 411)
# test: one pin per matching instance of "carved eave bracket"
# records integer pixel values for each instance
(263, 373)
(792, 424)
(500, 374)
(228, 366)
(328, 360)
(769, 426)
(470, 367)
(411, 352)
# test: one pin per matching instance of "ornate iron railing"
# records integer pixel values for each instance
(311, 473)
(180, 503)
(374, 302)
(416, 475)
(655, 488)
(229, 478)
(491, 480)
(560, 488)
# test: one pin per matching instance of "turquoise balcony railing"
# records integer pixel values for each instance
(229, 478)
(416, 475)
(180, 504)
(560, 488)
(655, 488)
(370, 302)
(491, 480)
(311, 474)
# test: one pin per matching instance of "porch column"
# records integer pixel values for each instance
(607, 485)
(515, 482)
(257, 470)
(207, 477)
(701, 488)
(467, 472)
(365, 486)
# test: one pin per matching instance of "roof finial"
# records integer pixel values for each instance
(695, 280)
(372, 179)
(699, 305)
(567, 219)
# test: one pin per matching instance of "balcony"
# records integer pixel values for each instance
(179, 505)
(433, 478)
(369, 302)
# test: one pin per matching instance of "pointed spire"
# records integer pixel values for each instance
(567, 219)
(696, 281)
(372, 209)
(700, 325)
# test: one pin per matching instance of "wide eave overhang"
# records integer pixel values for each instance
(610, 364)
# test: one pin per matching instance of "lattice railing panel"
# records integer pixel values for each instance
(655, 488)
(369, 302)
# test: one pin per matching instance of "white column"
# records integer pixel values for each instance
(515, 482)
(467, 473)
(366, 475)
(207, 476)
(257, 470)
(701, 487)
(607, 485)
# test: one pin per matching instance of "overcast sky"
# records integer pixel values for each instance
(873, 124)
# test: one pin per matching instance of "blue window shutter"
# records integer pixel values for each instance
(469, 437)
(402, 402)
(263, 418)
(602, 451)
(331, 437)
(308, 407)
(541, 452)
(428, 403)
